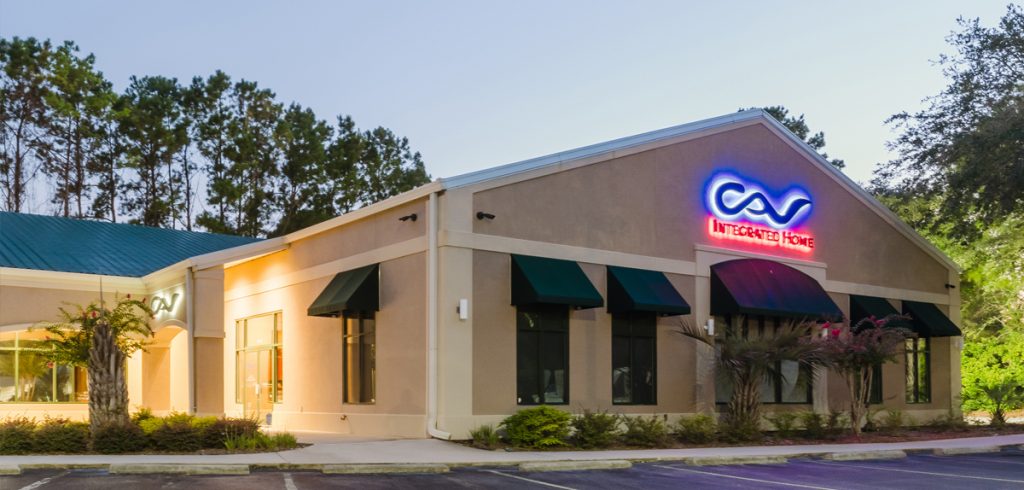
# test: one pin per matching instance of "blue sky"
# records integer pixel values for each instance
(477, 84)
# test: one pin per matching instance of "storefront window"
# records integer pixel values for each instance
(634, 364)
(360, 358)
(26, 375)
(542, 355)
(918, 364)
(259, 373)
(790, 383)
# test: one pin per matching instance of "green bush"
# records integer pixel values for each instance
(16, 435)
(216, 433)
(837, 421)
(150, 425)
(595, 429)
(485, 437)
(260, 442)
(177, 435)
(815, 425)
(118, 438)
(61, 436)
(538, 427)
(142, 414)
(283, 440)
(698, 429)
(645, 431)
(740, 431)
(785, 423)
(894, 420)
(950, 421)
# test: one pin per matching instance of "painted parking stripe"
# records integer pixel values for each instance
(42, 482)
(975, 460)
(932, 473)
(289, 484)
(734, 477)
(523, 478)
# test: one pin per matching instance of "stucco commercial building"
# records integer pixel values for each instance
(559, 280)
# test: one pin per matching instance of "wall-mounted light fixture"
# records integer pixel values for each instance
(709, 327)
(463, 309)
(408, 217)
(480, 215)
(950, 286)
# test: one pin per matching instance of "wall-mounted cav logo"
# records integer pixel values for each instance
(731, 198)
(163, 304)
(744, 211)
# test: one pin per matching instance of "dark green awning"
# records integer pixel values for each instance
(764, 287)
(928, 321)
(538, 280)
(862, 307)
(354, 290)
(643, 290)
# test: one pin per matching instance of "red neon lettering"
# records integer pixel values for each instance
(760, 235)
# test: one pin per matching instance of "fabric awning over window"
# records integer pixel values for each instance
(354, 290)
(928, 321)
(632, 290)
(862, 307)
(539, 280)
(763, 287)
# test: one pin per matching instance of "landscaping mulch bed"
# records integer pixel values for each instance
(907, 435)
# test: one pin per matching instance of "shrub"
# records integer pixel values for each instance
(894, 421)
(814, 425)
(150, 425)
(16, 435)
(283, 440)
(485, 437)
(950, 421)
(216, 433)
(538, 427)
(177, 435)
(645, 431)
(595, 429)
(61, 436)
(142, 414)
(784, 422)
(260, 442)
(118, 438)
(836, 421)
(740, 430)
(698, 429)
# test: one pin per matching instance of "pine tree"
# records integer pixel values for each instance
(23, 66)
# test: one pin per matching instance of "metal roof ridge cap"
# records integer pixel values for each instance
(610, 146)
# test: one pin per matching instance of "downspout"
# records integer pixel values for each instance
(190, 319)
(432, 378)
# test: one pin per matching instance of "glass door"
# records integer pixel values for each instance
(258, 393)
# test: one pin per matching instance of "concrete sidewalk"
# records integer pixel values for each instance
(331, 451)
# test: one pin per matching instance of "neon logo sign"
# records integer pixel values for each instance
(744, 211)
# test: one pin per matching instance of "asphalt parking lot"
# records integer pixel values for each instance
(989, 471)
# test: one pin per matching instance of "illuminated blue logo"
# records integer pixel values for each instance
(729, 198)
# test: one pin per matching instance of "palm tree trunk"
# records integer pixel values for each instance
(108, 391)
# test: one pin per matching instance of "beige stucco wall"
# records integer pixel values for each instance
(651, 203)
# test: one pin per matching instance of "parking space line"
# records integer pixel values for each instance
(976, 460)
(919, 472)
(539, 482)
(289, 484)
(42, 482)
(711, 473)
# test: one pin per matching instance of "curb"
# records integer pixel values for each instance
(10, 469)
(383, 468)
(732, 460)
(597, 464)
(953, 451)
(179, 469)
(864, 455)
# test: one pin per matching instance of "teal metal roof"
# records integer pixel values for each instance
(30, 241)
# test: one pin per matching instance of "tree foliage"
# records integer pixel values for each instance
(71, 336)
(798, 126)
(215, 153)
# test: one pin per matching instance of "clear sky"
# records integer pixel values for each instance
(475, 84)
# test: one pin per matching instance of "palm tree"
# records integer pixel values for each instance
(746, 362)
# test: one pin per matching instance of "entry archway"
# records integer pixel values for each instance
(165, 370)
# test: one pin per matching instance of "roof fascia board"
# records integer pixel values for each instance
(71, 281)
(862, 195)
(604, 151)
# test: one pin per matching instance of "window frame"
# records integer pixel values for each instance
(359, 316)
(563, 313)
(762, 326)
(276, 349)
(914, 349)
(624, 327)
(17, 349)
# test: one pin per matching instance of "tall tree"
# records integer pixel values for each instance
(152, 134)
(78, 105)
(798, 126)
(387, 166)
(302, 197)
(23, 67)
(343, 156)
(966, 148)
(210, 131)
(253, 157)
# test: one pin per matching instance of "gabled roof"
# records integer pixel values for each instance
(534, 167)
(29, 241)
